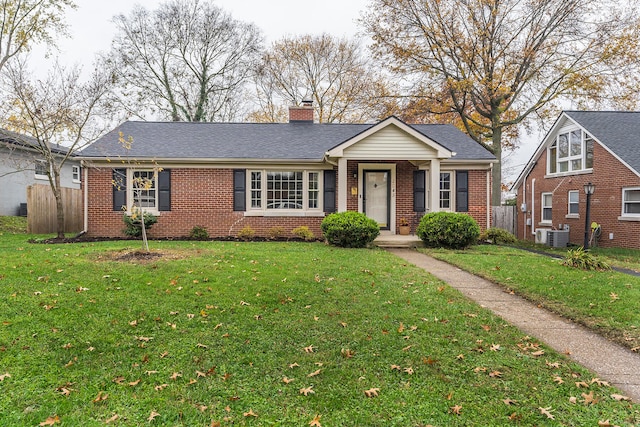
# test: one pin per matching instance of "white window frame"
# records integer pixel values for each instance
(543, 206)
(131, 191)
(450, 190)
(553, 161)
(576, 203)
(625, 202)
(44, 167)
(259, 195)
(75, 174)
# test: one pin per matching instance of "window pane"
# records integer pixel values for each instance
(632, 201)
(314, 190)
(546, 214)
(41, 167)
(144, 189)
(563, 145)
(553, 165)
(256, 189)
(445, 190)
(285, 190)
(576, 165)
(563, 166)
(588, 161)
(547, 200)
(632, 196)
(574, 197)
(632, 208)
(576, 143)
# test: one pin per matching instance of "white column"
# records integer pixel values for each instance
(342, 185)
(434, 185)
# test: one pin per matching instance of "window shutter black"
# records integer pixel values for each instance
(119, 187)
(462, 191)
(164, 190)
(329, 191)
(239, 190)
(419, 191)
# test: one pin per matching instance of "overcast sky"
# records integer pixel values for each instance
(92, 30)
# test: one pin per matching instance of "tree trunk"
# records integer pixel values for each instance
(496, 175)
(59, 207)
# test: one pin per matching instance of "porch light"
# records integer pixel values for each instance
(589, 189)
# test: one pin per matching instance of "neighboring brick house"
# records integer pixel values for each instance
(226, 176)
(22, 165)
(600, 147)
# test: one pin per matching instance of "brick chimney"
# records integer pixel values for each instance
(302, 114)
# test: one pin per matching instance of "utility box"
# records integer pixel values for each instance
(558, 238)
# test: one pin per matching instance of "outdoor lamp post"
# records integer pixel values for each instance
(589, 188)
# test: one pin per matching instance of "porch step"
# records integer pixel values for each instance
(398, 241)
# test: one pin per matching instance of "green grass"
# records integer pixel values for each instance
(13, 225)
(605, 301)
(207, 333)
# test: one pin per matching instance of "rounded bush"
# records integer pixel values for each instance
(349, 229)
(498, 236)
(448, 229)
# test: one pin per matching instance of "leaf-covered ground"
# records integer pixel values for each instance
(213, 333)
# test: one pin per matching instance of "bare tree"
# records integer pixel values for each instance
(60, 115)
(494, 63)
(26, 22)
(188, 60)
(332, 72)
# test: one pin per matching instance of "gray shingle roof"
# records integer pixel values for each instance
(19, 140)
(255, 141)
(618, 130)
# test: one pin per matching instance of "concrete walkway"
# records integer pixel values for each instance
(609, 361)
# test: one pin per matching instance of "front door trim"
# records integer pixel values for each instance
(391, 167)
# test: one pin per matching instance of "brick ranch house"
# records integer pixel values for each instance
(598, 147)
(226, 176)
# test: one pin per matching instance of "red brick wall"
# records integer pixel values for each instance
(204, 197)
(609, 175)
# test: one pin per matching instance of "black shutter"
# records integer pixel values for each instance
(462, 191)
(329, 191)
(419, 191)
(119, 185)
(239, 190)
(164, 190)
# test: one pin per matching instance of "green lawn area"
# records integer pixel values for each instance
(605, 301)
(226, 333)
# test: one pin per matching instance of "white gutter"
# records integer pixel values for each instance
(85, 202)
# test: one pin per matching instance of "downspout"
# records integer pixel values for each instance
(533, 206)
(85, 202)
(524, 213)
(488, 180)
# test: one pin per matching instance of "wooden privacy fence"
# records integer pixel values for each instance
(41, 210)
(504, 217)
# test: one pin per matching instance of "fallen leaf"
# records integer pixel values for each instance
(553, 365)
(151, 372)
(250, 414)
(161, 387)
(581, 384)
(100, 397)
(372, 392)
(589, 399)
(315, 422)
(547, 412)
(456, 409)
(309, 349)
(50, 421)
(620, 397)
(201, 345)
(508, 401)
(153, 415)
(494, 347)
(306, 391)
(604, 423)
(175, 375)
(5, 375)
(112, 419)
(558, 380)
(315, 373)
(200, 374)
(495, 374)
(573, 400)
(287, 380)
(293, 365)
(396, 368)
(408, 370)
(538, 353)
(600, 382)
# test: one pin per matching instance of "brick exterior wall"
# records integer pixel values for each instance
(204, 197)
(609, 175)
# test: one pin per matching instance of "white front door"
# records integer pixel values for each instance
(376, 200)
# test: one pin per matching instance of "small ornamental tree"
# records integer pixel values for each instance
(349, 229)
(448, 229)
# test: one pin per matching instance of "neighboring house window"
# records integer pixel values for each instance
(285, 190)
(631, 201)
(547, 203)
(574, 198)
(445, 190)
(41, 169)
(75, 173)
(570, 152)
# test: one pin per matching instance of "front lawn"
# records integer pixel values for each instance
(605, 301)
(295, 334)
